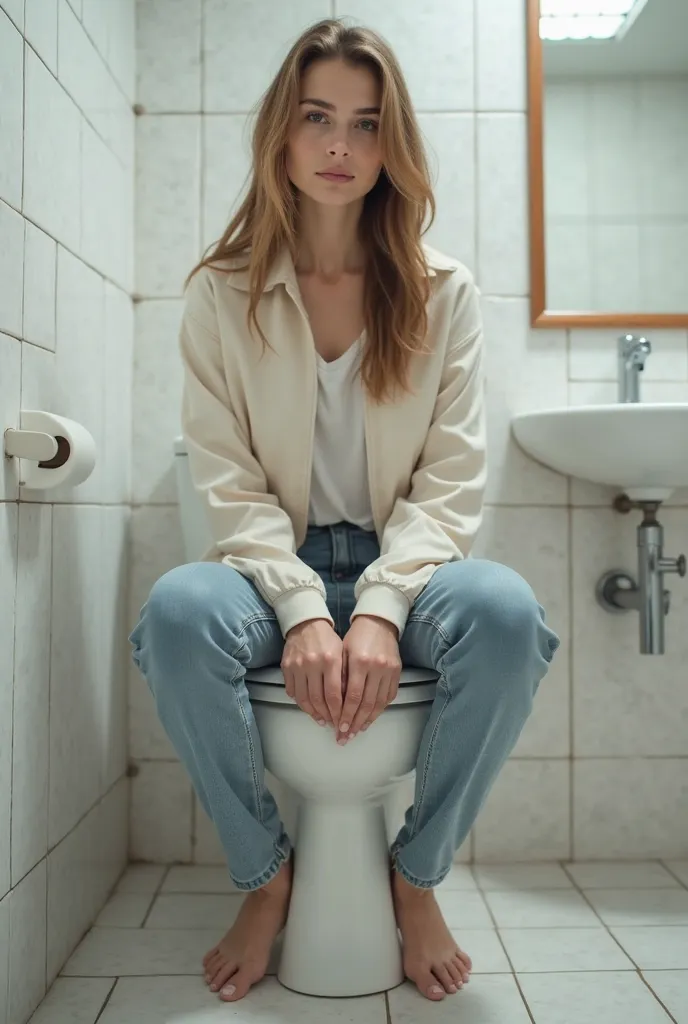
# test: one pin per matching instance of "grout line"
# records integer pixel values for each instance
(665, 865)
(388, 1009)
(156, 892)
(571, 667)
(107, 1000)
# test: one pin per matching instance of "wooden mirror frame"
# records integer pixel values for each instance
(539, 314)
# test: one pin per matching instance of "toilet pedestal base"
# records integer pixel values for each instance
(341, 936)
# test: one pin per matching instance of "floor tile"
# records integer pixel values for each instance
(198, 878)
(189, 1001)
(73, 1001)
(105, 952)
(488, 999)
(588, 998)
(563, 949)
(655, 948)
(672, 989)
(679, 868)
(459, 877)
(125, 910)
(503, 877)
(640, 907)
(141, 878)
(620, 875)
(484, 948)
(194, 910)
(541, 908)
(463, 909)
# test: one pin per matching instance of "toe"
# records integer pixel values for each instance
(209, 955)
(468, 963)
(445, 979)
(238, 986)
(455, 973)
(224, 972)
(428, 985)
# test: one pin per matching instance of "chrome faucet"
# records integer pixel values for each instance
(633, 352)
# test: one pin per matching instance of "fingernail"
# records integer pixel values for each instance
(229, 990)
(344, 727)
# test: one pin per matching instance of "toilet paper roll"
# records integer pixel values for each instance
(76, 452)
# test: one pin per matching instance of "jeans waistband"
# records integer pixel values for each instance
(342, 548)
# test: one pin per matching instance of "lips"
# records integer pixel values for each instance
(333, 176)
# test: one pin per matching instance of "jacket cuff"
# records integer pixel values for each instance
(300, 605)
(385, 602)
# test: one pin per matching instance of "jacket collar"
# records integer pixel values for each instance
(282, 270)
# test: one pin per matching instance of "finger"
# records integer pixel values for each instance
(383, 699)
(301, 692)
(333, 691)
(355, 687)
(321, 712)
(289, 684)
(374, 695)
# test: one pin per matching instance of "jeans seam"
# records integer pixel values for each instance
(251, 750)
(431, 621)
(426, 765)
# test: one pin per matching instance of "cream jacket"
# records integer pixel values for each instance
(248, 419)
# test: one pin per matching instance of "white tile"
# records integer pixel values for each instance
(620, 875)
(99, 213)
(122, 46)
(118, 372)
(640, 907)
(450, 145)
(10, 393)
(484, 948)
(114, 653)
(680, 869)
(159, 1000)
(461, 878)
(141, 878)
(615, 254)
(8, 562)
(655, 948)
(124, 910)
(4, 952)
(73, 1001)
(15, 9)
(82, 71)
(433, 43)
(569, 271)
(76, 6)
(526, 370)
(526, 816)
(31, 697)
(156, 396)
(196, 879)
(613, 112)
(593, 355)
(663, 270)
(541, 908)
(140, 951)
(503, 877)
(226, 163)
(11, 270)
(167, 202)
(566, 126)
(113, 838)
(462, 909)
(95, 19)
(41, 30)
(11, 111)
(194, 910)
(672, 988)
(502, 210)
(52, 143)
(168, 40)
(563, 949)
(488, 999)
(630, 808)
(39, 287)
(577, 998)
(501, 55)
(662, 142)
(625, 703)
(28, 927)
(161, 812)
(534, 542)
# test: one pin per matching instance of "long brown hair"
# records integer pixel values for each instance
(396, 284)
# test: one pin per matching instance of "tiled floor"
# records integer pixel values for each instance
(551, 944)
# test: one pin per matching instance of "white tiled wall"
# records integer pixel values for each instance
(66, 334)
(601, 769)
(616, 152)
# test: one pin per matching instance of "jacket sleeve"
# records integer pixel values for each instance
(439, 519)
(251, 532)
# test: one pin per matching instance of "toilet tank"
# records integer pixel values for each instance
(195, 529)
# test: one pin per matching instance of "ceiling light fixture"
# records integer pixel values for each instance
(566, 20)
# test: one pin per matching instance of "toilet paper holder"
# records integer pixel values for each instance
(52, 451)
(48, 451)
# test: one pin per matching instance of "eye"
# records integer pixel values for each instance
(314, 113)
(373, 125)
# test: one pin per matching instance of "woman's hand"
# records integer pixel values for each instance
(372, 668)
(312, 669)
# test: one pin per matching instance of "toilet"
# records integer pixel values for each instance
(342, 806)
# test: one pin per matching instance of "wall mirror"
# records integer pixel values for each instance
(608, 124)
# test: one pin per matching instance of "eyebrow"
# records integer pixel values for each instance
(331, 106)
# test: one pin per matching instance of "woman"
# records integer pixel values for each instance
(333, 413)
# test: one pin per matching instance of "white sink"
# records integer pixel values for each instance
(641, 448)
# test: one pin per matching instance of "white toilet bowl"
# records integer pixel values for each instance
(342, 806)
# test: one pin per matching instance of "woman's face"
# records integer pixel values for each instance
(335, 126)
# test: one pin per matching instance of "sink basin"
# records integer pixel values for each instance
(641, 448)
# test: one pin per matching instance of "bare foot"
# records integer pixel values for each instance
(431, 957)
(241, 958)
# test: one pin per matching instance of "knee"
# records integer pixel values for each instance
(179, 607)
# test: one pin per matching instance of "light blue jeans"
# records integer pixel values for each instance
(476, 623)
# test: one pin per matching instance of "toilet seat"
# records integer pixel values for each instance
(416, 686)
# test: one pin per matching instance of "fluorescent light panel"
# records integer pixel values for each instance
(583, 19)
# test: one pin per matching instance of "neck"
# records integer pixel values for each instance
(328, 243)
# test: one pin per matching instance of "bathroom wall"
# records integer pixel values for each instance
(616, 152)
(602, 767)
(66, 331)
